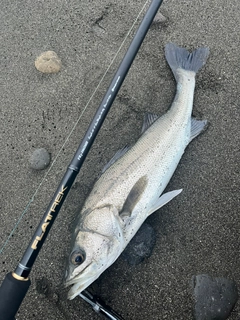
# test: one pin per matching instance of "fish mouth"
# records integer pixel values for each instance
(80, 282)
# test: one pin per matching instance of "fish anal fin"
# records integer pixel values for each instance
(164, 199)
(148, 120)
(197, 126)
(134, 196)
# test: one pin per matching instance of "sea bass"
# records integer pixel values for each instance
(131, 186)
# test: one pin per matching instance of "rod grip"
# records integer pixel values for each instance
(12, 292)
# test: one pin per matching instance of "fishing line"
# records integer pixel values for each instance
(74, 126)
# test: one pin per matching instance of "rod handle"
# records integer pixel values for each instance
(12, 292)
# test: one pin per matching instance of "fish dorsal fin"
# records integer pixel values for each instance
(197, 126)
(148, 120)
(117, 155)
(134, 196)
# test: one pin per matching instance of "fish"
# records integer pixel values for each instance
(131, 185)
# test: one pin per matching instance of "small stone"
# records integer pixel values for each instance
(55, 297)
(39, 159)
(43, 286)
(141, 246)
(159, 18)
(48, 62)
(214, 297)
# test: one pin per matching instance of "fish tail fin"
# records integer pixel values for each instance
(180, 58)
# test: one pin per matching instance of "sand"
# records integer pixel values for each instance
(198, 232)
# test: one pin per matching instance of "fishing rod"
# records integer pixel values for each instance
(16, 284)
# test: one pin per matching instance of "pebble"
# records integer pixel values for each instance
(40, 159)
(54, 297)
(159, 18)
(48, 62)
(141, 246)
(214, 297)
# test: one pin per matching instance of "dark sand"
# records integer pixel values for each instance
(198, 232)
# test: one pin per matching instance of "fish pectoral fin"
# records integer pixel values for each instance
(134, 196)
(148, 120)
(164, 199)
(117, 156)
(197, 126)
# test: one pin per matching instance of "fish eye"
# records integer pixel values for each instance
(77, 257)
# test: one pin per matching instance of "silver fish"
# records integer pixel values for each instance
(130, 188)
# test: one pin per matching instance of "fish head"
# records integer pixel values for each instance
(97, 244)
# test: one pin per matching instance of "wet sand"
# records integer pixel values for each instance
(198, 232)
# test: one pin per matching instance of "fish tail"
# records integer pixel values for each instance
(180, 58)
